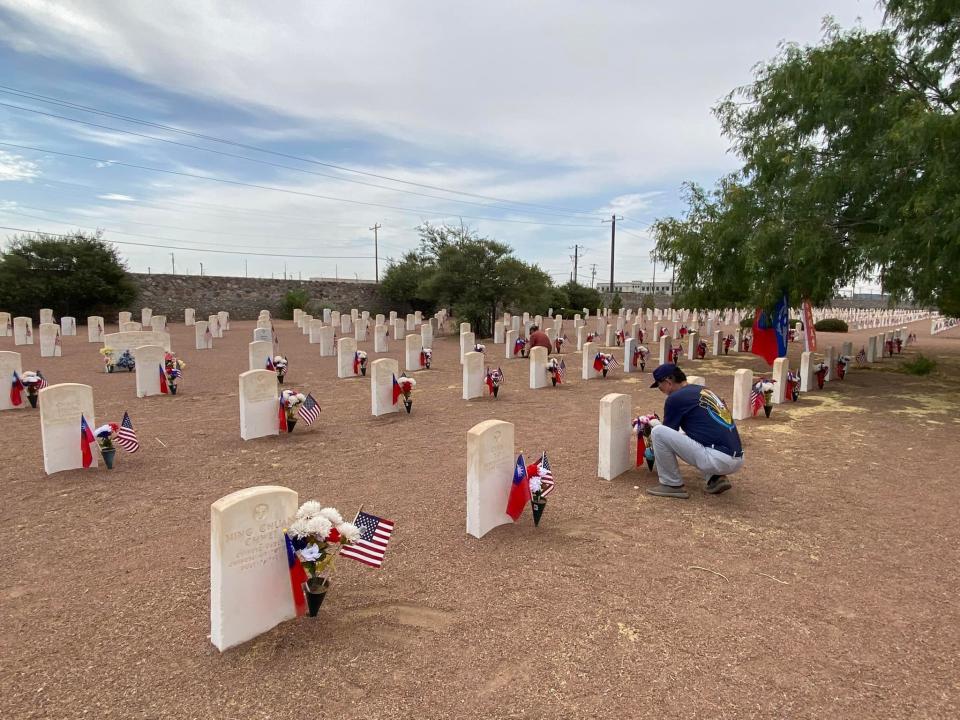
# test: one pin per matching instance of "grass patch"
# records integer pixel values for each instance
(921, 365)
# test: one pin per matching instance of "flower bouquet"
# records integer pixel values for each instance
(702, 349)
(643, 425)
(640, 355)
(793, 386)
(640, 335)
(104, 435)
(820, 370)
(404, 386)
(590, 337)
(33, 383)
(557, 370)
(173, 369)
(675, 353)
(899, 343)
(360, 363)
(520, 347)
(540, 479)
(426, 357)
(315, 538)
(494, 379)
(126, 361)
(620, 337)
(279, 363)
(889, 345)
(290, 402)
(745, 344)
(108, 360)
(480, 348)
(663, 331)
(558, 344)
(683, 331)
(604, 362)
(842, 362)
(727, 344)
(761, 396)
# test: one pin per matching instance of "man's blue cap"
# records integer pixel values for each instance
(662, 372)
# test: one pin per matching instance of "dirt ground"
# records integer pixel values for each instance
(823, 585)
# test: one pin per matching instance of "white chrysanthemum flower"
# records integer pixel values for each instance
(309, 509)
(643, 349)
(361, 354)
(310, 553)
(301, 397)
(766, 386)
(332, 515)
(408, 381)
(298, 529)
(349, 532)
(535, 484)
(319, 526)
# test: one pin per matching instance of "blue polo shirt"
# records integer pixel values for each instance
(703, 416)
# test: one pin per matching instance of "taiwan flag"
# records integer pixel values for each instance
(270, 366)
(16, 390)
(519, 490)
(598, 363)
(298, 576)
(163, 381)
(282, 417)
(397, 392)
(86, 438)
(770, 333)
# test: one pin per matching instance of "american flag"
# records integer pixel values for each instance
(309, 410)
(613, 364)
(862, 357)
(126, 437)
(208, 336)
(371, 546)
(546, 476)
(43, 381)
(562, 371)
(756, 398)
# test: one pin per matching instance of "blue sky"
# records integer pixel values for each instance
(529, 121)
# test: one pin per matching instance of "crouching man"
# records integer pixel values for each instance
(709, 440)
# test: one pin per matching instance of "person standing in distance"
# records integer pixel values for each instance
(709, 440)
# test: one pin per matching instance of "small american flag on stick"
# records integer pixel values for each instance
(562, 370)
(371, 546)
(309, 410)
(862, 357)
(126, 437)
(613, 364)
(546, 476)
(43, 381)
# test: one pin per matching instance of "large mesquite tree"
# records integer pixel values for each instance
(851, 168)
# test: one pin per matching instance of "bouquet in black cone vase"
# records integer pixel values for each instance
(541, 482)
(727, 344)
(820, 371)
(173, 370)
(403, 388)
(842, 362)
(278, 364)
(556, 370)
(520, 347)
(702, 349)
(126, 361)
(675, 353)
(426, 357)
(604, 363)
(761, 396)
(640, 355)
(793, 386)
(494, 379)
(290, 402)
(104, 435)
(360, 363)
(643, 425)
(314, 540)
(33, 383)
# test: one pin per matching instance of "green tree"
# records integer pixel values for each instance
(75, 275)
(851, 169)
(476, 276)
(579, 297)
(616, 302)
(647, 302)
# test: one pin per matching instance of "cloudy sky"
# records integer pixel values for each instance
(258, 137)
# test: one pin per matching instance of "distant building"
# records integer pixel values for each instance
(641, 287)
(352, 280)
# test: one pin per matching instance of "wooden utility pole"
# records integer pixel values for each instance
(613, 241)
(376, 258)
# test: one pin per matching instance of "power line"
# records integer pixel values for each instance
(288, 191)
(84, 108)
(263, 162)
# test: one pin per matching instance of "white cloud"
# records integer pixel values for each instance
(14, 167)
(117, 196)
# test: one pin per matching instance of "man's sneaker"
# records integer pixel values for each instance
(674, 491)
(718, 484)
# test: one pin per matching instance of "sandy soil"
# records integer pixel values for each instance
(824, 584)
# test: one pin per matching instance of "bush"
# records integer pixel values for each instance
(922, 365)
(746, 323)
(831, 325)
(294, 299)
(616, 302)
(647, 302)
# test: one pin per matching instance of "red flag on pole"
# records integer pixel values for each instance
(163, 381)
(519, 490)
(86, 437)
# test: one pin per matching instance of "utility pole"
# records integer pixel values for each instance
(201, 269)
(613, 241)
(653, 259)
(284, 271)
(245, 273)
(173, 264)
(593, 275)
(576, 253)
(376, 258)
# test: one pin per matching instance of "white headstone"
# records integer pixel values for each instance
(60, 409)
(399, 329)
(831, 361)
(666, 343)
(360, 331)
(130, 327)
(203, 338)
(515, 326)
(158, 323)
(717, 343)
(464, 327)
(538, 368)
(124, 316)
(50, 344)
(696, 380)
(46, 315)
(129, 340)
(781, 366)
(223, 318)
(262, 335)
(259, 404)
(346, 349)
(297, 314)
(314, 331)
(327, 316)
(490, 464)
(806, 371)
(581, 336)
(10, 363)
(411, 355)
(380, 338)
(189, 316)
(346, 324)
(149, 361)
(692, 341)
(467, 343)
(382, 372)
(68, 326)
(6, 324)
(146, 314)
(498, 332)
(629, 344)
(249, 572)
(510, 339)
(258, 352)
(426, 335)
(615, 435)
(411, 323)
(473, 375)
(587, 355)
(325, 339)
(22, 331)
(95, 329)
(213, 323)
(742, 384)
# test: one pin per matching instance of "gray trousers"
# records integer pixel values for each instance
(670, 444)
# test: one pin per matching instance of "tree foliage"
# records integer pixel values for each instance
(475, 276)
(76, 275)
(576, 297)
(851, 168)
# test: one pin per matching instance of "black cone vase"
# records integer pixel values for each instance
(315, 598)
(291, 424)
(650, 464)
(33, 400)
(363, 370)
(173, 389)
(767, 409)
(108, 456)
(553, 379)
(605, 372)
(538, 508)
(496, 390)
(408, 404)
